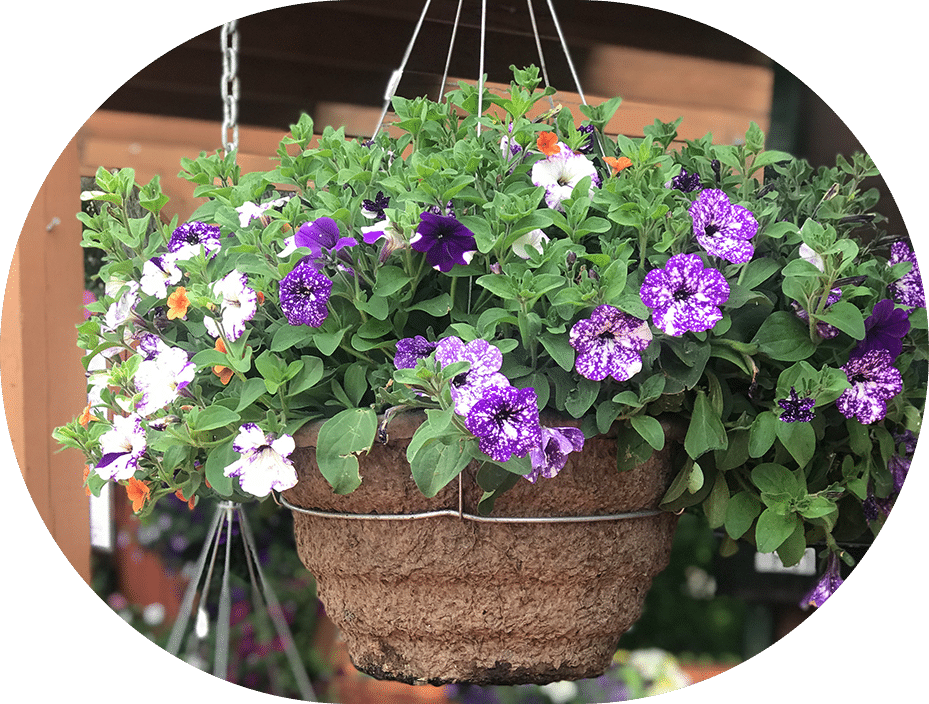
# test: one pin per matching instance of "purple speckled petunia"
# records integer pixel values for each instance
(506, 422)
(826, 586)
(373, 208)
(721, 228)
(609, 343)
(304, 295)
(908, 289)
(444, 241)
(684, 296)
(187, 240)
(796, 409)
(684, 181)
(485, 360)
(885, 329)
(412, 349)
(874, 381)
(551, 455)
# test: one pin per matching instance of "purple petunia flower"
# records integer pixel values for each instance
(874, 381)
(321, 237)
(588, 145)
(685, 182)
(506, 422)
(609, 343)
(444, 241)
(796, 409)
(824, 330)
(551, 455)
(304, 295)
(721, 228)
(485, 360)
(885, 329)
(187, 240)
(412, 349)
(908, 289)
(373, 208)
(830, 581)
(684, 295)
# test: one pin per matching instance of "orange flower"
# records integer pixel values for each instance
(178, 303)
(623, 162)
(87, 416)
(86, 476)
(190, 503)
(260, 296)
(138, 493)
(224, 373)
(548, 143)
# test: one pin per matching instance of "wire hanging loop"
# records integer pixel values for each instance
(229, 41)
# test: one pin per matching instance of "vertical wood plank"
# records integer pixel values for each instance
(43, 380)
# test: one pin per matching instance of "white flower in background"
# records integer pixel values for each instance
(560, 173)
(807, 253)
(161, 378)
(264, 464)
(533, 239)
(120, 311)
(239, 305)
(248, 211)
(122, 446)
(157, 274)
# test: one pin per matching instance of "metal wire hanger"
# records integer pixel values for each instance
(263, 596)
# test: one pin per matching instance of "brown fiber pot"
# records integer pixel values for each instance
(442, 600)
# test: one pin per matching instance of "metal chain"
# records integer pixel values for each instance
(229, 40)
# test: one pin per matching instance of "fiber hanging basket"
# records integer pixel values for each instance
(448, 599)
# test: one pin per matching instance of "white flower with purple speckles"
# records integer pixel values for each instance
(721, 228)
(188, 239)
(238, 305)
(609, 343)
(684, 295)
(534, 239)
(560, 173)
(249, 211)
(120, 311)
(122, 447)
(551, 455)
(874, 382)
(157, 274)
(908, 289)
(264, 464)
(506, 422)
(485, 360)
(161, 377)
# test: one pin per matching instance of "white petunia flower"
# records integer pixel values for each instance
(239, 305)
(560, 173)
(533, 239)
(264, 464)
(248, 211)
(160, 378)
(157, 274)
(122, 447)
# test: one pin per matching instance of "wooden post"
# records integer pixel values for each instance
(43, 380)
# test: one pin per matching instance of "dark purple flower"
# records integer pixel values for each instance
(304, 295)
(796, 409)
(721, 228)
(411, 349)
(609, 343)
(908, 289)
(588, 144)
(187, 240)
(374, 209)
(826, 586)
(885, 329)
(444, 241)
(874, 381)
(551, 455)
(321, 237)
(685, 182)
(485, 360)
(824, 330)
(506, 422)
(684, 295)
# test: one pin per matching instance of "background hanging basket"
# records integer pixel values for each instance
(445, 599)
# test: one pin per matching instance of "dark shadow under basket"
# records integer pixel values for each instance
(444, 599)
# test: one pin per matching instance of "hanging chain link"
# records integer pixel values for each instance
(229, 40)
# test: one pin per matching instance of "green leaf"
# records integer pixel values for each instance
(773, 528)
(791, 550)
(438, 306)
(741, 511)
(762, 434)
(438, 462)
(211, 418)
(560, 349)
(799, 439)
(582, 397)
(308, 377)
(775, 479)
(287, 336)
(650, 429)
(717, 502)
(216, 462)
(328, 342)
(784, 337)
(249, 392)
(341, 438)
(706, 431)
(846, 317)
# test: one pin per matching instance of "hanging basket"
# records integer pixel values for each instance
(443, 599)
